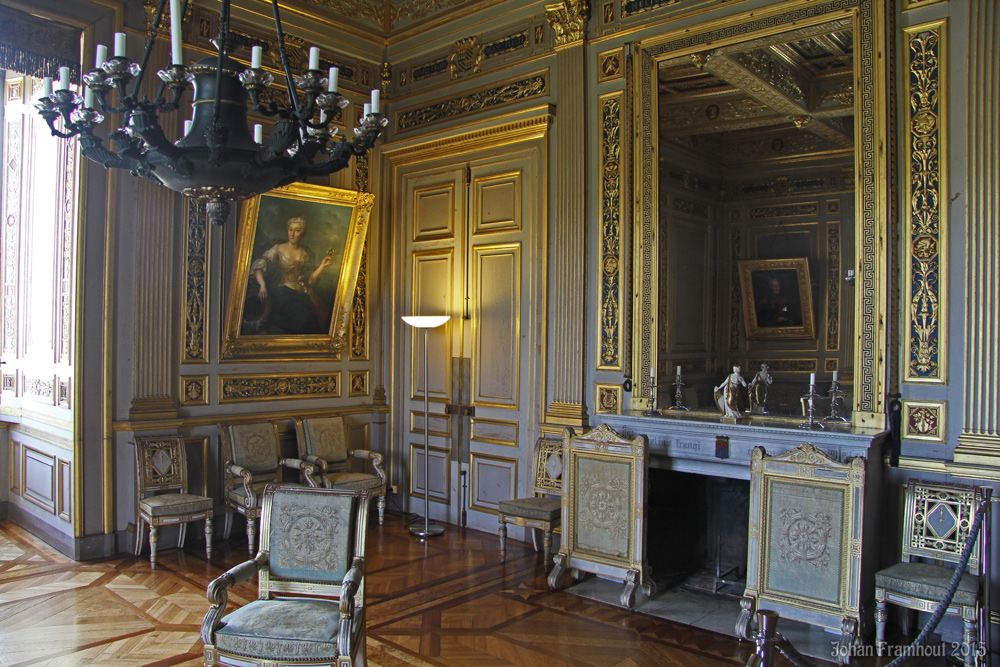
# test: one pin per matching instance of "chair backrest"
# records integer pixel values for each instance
(161, 464)
(938, 518)
(548, 467)
(325, 437)
(253, 446)
(312, 535)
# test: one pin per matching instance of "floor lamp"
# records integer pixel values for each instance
(426, 322)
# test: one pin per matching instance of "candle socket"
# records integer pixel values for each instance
(836, 404)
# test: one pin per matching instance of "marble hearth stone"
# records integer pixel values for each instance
(718, 613)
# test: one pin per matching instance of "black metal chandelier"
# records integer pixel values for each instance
(218, 159)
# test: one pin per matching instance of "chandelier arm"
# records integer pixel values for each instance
(270, 110)
(284, 135)
(148, 51)
(93, 148)
(293, 97)
(341, 153)
(145, 124)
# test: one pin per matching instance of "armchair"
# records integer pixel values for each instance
(310, 606)
(161, 465)
(323, 443)
(252, 460)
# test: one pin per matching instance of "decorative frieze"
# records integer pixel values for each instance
(278, 386)
(783, 211)
(515, 90)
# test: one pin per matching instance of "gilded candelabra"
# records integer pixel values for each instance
(811, 397)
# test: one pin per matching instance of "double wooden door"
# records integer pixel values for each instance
(471, 245)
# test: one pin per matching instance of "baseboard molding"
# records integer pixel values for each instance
(77, 548)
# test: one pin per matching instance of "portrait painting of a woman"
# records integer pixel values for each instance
(295, 268)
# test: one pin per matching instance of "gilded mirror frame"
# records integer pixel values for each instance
(872, 163)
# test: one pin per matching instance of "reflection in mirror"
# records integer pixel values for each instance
(756, 219)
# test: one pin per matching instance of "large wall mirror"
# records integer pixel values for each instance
(762, 208)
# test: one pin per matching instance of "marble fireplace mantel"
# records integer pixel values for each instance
(690, 443)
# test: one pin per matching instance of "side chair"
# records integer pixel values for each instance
(252, 458)
(161, 477)
(543, 509)
(323, 443)
(310, 606)
(937, 522)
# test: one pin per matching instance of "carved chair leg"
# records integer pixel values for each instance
(381, 510)
(546, 546)
(153, 539)
(208, 538)
(140, 535)
(181, 534)
(229, 523)
(503, 540)
(970, 642)
(881, 616)
(251, 534)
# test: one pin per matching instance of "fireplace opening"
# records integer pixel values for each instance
(697, 531)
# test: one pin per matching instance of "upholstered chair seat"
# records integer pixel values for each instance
(175, 503)
(929, 581)
(542, 509)
(310, 606)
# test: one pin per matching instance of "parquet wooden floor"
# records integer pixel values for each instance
(443, 602)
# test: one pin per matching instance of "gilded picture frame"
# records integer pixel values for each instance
(777, 298)
(298, 252)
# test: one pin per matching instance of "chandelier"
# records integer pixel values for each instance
(219, 159)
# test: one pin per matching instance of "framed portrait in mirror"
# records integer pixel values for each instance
(298, 252)
(777, 298)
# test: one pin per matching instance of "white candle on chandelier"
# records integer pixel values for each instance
(313, 57)
(835, 376)
(102, 55)
(258, 133)
(678, 371)
(255, 55)
(187, 127)
(119, 44)
(176, 50)
(322, 116)
(63, 78)
(375, 100)
(368, 109)
(331, 81)
(812, 379)
(47, 87)
(88, 98)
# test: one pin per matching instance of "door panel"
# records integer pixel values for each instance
(496, 340)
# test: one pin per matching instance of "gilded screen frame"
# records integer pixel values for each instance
(754, 329)
(240, 344)
(873, 164)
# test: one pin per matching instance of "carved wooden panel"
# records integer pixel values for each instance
(433, 294)
(439, 477)
(496, 325)
(38, 472)
(434, 212)
(494, 478)
(494, 431)
(496, 203)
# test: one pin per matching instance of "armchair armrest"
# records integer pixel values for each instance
(374, 457)
(352, 580)
(218, 592)
(322, 467)
(249, 499)
(308, 469)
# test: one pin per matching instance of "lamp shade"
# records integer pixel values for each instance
(425, 321)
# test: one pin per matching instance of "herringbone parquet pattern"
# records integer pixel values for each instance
(444, 602)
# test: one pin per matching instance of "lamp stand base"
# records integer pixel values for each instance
(430, 530)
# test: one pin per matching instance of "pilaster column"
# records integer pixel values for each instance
(567, 230)
(980, 439)
(153, 394)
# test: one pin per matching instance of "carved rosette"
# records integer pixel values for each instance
(568, 20)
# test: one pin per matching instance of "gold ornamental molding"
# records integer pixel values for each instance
(833, 287)
(925, 178)
(872, 166)
(194, 390)
(608, 398)
(194, 350)
(916, 4)
(481, 99)
(359, 306)
(277, 386)
(612, 278)
(568, 20)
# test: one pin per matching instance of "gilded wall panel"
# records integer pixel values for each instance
(924, 420)
(610, 65)
(196, 239)
(494, 431)
(612, 268)
(833, 287)
(496, 202)
(608, 398)
(440, 424)
(359, 306)
(439, 477)
(432, 293)
(496, 335)
(434, 211)
(358, 383)
(277, 386)
(194, 390)
(925, 161)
